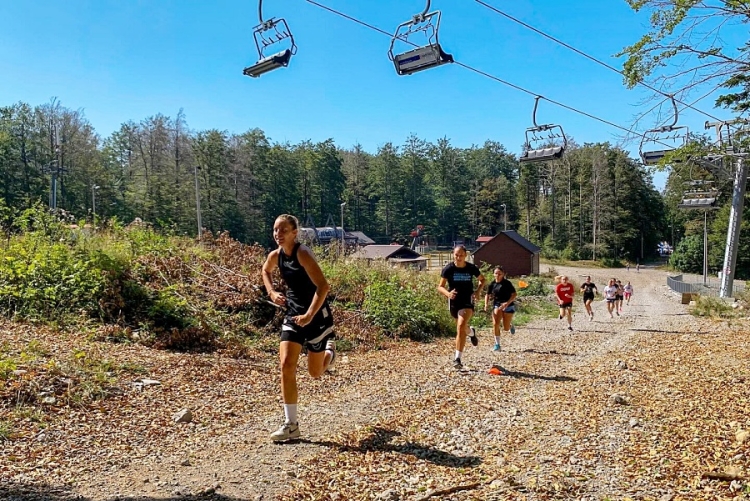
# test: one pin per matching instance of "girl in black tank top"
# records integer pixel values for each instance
(300, 288)
(308, 321)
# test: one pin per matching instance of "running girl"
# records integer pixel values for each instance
(565, 292)
(610, 295)
(503, 307)
(308, 321)
(618, 303)
(457, 284)
(589, 292)
(628, 289)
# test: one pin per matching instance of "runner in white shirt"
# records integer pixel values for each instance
(628, 291)
(610, 295)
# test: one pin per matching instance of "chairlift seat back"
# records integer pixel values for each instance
(421, 58)
(542, 154)
(278, 60)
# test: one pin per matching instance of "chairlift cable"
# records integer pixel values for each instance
(484, 73)
(592, 58)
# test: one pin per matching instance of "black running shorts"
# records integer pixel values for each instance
(314, 335)
(566, 305)
(588, 297)
(456, 305)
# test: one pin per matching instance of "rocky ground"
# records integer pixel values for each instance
(651, 405)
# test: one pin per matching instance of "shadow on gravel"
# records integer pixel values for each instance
(548, 352)
(45, 492)
(380, 441)
(665, 332)
(526, 375)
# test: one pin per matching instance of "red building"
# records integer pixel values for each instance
(510, 250)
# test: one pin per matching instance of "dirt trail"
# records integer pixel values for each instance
(555, 384)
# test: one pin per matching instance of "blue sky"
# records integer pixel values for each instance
(121, 60)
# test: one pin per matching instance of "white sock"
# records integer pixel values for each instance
(497, 339)
(290, 413)
(458, 354)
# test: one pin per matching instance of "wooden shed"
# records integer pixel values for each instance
(510, 250)
(397, 255)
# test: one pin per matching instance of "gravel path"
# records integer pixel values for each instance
(549, 427)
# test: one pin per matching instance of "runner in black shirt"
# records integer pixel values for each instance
(308, 321)
(503, 307)
(589, 292)
(457, 284)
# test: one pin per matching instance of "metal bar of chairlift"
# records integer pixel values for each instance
(274, 61)
(548, 153)
(653, 157)
(422, 57)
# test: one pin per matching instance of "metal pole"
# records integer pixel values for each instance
(342, 227)
(505, 217)
(705, 247)
(198, 203)
(733, 232)
(93, 204)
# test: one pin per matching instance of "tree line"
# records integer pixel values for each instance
(594, 203)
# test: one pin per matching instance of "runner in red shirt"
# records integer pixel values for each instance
(565, 292)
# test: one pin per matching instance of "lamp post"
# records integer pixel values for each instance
(342, 227)
(505, 217)
(94, 187)
(198, 203)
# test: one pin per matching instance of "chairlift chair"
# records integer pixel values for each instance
(552, 134)
(700, 194)
(421, 57)
(269, 33)
(672, 133)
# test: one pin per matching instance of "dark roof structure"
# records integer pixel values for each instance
(390, 252)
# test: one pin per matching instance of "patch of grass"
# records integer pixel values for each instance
(6, 430)
(534, 308)
(707, 306)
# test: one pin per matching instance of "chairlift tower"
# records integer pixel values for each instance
(730, 135)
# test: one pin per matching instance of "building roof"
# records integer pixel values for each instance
(484, 239)
(513, 235)
(386, 252)
(361, 237)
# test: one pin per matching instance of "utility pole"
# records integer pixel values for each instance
(94, 187)
(505, 217)
(343, 248)
(705, 247)
(54, 168)
(198, 203)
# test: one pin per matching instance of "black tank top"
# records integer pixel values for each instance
(301, 289)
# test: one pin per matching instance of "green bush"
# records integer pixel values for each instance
(400, 310)
(43, 279)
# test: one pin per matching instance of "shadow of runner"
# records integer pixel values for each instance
(526, 375)
(44, 492)
(380, 441)
(547, 352)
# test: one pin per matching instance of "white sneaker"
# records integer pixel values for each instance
(331, 346)
(288, 431)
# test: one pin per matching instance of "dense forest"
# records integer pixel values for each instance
(596, 202)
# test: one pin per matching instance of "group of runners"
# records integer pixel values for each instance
(308, 322)
(615, 294)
